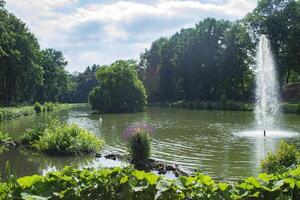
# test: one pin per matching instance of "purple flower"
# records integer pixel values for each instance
(137, 128)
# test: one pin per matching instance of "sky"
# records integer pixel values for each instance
(103, 31)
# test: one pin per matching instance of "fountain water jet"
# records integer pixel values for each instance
(267, 109)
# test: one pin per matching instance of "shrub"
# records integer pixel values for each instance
(138, 138)
(286, 156)
(62, 139)
(49, 106)
(120, 89)
(37, 107)
(4, 137)
(31, 136)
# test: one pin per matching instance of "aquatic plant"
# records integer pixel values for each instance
(286, 156)
(127, 183)
(62, 139)
(138, 137)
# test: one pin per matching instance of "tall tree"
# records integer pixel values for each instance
(20, 71)
(55, 78)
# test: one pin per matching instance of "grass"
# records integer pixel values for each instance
(62, 139)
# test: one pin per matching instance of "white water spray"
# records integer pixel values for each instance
(267, 110)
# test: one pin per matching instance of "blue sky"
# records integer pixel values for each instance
(102, 31)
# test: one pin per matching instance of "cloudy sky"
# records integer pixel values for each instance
(102, 31)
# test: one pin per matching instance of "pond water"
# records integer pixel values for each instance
(208, 141)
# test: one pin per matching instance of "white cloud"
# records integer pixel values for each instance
(103, 32)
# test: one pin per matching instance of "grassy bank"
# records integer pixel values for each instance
(293, 108)
(127, 183)
(8, 113)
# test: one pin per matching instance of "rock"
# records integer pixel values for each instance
(98, 155)
(111, 156)
(143, 165)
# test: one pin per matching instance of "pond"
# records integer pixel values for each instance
(207, 141)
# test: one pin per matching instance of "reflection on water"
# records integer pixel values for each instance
(201, 140)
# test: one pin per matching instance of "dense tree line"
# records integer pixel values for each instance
(280, 20)
(214, 61)
(28, 73)
(207, 62)
(83, 83)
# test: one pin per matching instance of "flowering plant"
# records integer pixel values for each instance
(138, 137)
(137, 128)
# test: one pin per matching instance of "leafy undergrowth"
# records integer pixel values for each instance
(62, 139)
(118, 183)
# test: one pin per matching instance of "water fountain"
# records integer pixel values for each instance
(267, 109)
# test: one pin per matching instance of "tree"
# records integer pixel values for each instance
(280, 20)
(55, 78)
(20, 72)
(119, 90)
(85, 82)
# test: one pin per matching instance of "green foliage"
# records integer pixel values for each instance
(62, 139)
(129, 184)
(31, 136)
(291, 108)
(226, 105)
(202, 63)
(286, 156)
(280, 20)
(37, 107)
(49, 106)
(9, 113)
(4, 137)
(119, 90)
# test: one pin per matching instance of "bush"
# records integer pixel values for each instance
(119, 184)
(119, 90)
(286, 156)
(138, 138)
(62, 139)
(4, 137)
(49, 106)
(31, 136)
(37, 107)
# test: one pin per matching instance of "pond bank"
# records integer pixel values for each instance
(292, 108)
(9, 113)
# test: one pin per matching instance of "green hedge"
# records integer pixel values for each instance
(129, 184)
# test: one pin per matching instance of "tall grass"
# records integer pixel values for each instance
(138, 137)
